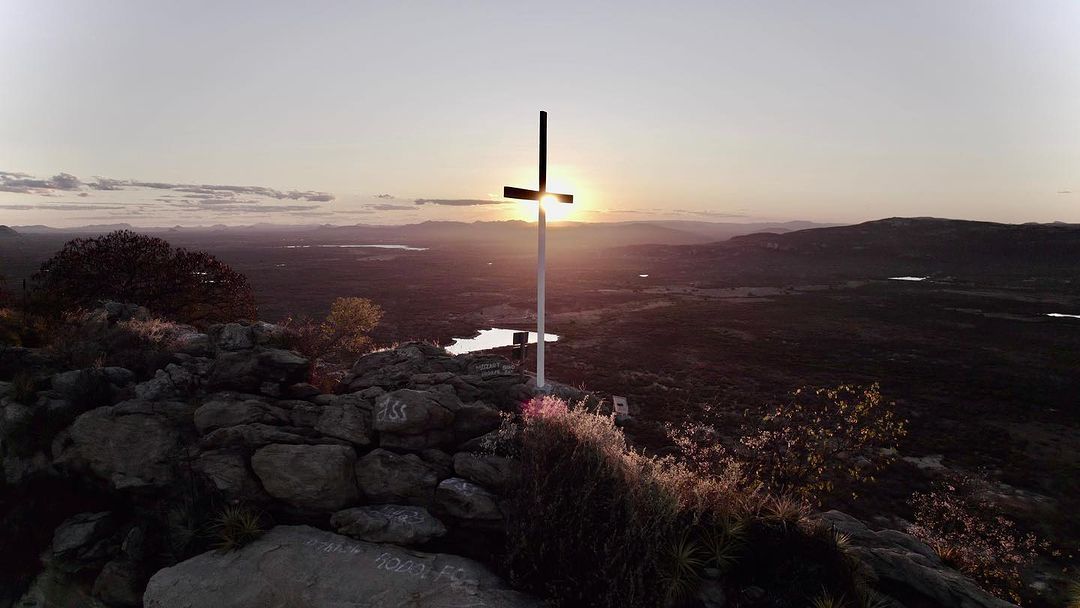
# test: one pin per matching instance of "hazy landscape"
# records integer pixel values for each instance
(682, 304)
(675, 316)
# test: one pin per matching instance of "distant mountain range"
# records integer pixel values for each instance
(6, 232)
(563, 234)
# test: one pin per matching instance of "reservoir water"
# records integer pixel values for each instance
(492, 338)
(400, 247)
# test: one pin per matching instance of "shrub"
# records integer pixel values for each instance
(342, 335)
(349, 323)
(10, 327)
(971, 534)
(594, 523)
(189, 286)
(818, 440)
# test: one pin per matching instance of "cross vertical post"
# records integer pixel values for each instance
(540, 195)
(541, 255)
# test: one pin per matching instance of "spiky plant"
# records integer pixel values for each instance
(724, 542)
(681, 570)
(872, 599)
(827, 600)
(235, 527)
(786, 511)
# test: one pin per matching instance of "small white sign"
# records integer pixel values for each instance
(621, 407)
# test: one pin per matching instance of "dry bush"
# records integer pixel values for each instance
(158, 332)
(595, 523)
(819, 440)
(973, 535)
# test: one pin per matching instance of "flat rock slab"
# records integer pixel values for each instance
(304, 567)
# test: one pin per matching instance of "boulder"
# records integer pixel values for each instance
(132, 444)
(496, 472)
(191, 342)
(316, 477)
(77, 383)
(20, 469)
(250, 370)
(466, 500)
(85, 541)
(257, 435)
(346, 421)
(303, 567)
(232, 337)
(221, 413)
(398, 524)
(119, 583)
(386, 477)
(908, 567)
(173, 381)
(420, 441)
(475, 419)
(228, 473)
(408, 411)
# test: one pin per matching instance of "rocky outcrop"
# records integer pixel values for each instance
(907, 568)
(405, 453)
(304, 567)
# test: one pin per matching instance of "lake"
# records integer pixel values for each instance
(492, 338)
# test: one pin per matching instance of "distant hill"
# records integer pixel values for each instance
(888, 247)
(6, 232)
(926, 238)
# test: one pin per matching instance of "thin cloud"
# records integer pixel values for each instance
(388, 207)
(23, 183)
(457, 202)
(26, 184)
(386, 196)
(1064, 192)
(63, 207)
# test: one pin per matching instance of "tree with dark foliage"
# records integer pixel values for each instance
(187, 286)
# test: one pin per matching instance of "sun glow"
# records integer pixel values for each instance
(556, 211)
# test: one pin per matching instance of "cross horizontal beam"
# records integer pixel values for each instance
(534, 195)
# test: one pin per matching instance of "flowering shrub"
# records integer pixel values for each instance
(973, 535)
(543, 407)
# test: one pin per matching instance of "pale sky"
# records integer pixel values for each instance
(346, 112)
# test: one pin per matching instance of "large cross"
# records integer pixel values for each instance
(541, 196)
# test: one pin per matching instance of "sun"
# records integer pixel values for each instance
(556, 211)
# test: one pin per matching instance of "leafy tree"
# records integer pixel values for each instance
(188, 286)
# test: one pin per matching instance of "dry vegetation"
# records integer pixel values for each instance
(596, 523)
